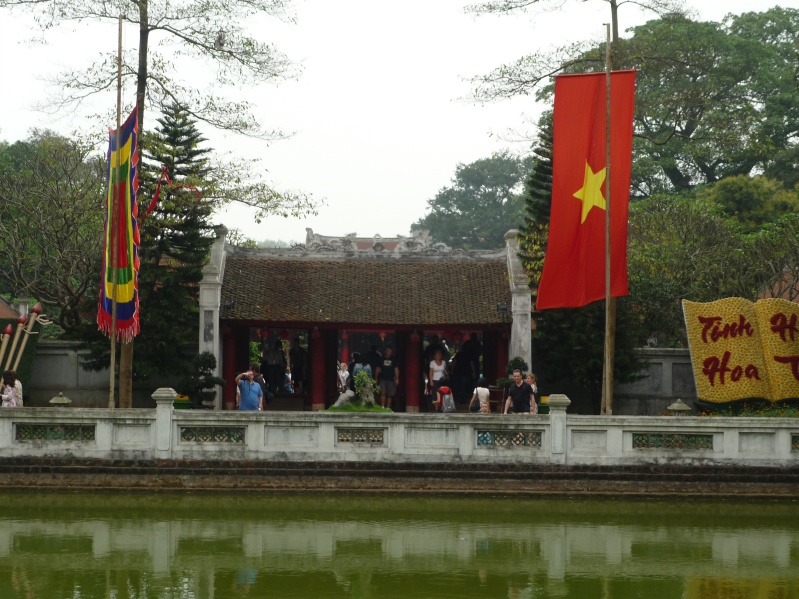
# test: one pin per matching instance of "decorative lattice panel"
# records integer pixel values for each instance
(509, 439)
(55, 432)
(369, 436)
(212, 434)
(794, 442)
(671, 441)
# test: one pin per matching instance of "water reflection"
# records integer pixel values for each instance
(209, 547)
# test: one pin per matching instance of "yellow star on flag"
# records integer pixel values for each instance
(590, 194)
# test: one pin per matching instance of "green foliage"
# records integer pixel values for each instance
(51, 222)
(176, 240)
(751, 408)
(255, 352)
(752, 201)
(569, 344)
(364, 384)
(537, 200)
(515, 363)
(482, 204)
(713, 100)
(200, 384)
(773, 258)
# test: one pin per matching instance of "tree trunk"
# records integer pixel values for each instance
(126, 375)
(126, 351)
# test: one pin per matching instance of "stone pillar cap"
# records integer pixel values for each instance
(164, 394)
(558, 400)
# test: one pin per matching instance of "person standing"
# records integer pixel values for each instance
(18, 385)
(275, 362)
(388, 378)
(298, 358)
(8, 391)
(520, 395)
(251, 396)
(373, 358)
(437, 368)
(481, 398)
(473, 349)
(531, 380)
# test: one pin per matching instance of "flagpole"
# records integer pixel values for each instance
(610, 302)
(113, 222)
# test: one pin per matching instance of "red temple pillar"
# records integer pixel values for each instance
(229, 368)
(413, 375)
(502, 353)
(317, 371)
(345, 348)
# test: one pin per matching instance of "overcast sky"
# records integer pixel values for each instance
(377, 114)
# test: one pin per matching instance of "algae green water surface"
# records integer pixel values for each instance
(154, 546)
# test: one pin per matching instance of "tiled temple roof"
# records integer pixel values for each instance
(394, 291)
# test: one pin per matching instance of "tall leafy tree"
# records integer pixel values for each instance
(752, 201)
(531, 71)
(713, 100)
(214, 32)
(482, 204)
(51, 222)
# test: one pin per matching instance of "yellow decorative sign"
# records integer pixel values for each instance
(741, 350)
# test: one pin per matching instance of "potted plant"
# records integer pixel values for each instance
(516, 363)
(365, 388)
(200, 384)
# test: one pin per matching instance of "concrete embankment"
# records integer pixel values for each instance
(411, 478)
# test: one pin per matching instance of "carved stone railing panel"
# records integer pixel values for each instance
(361, 436)
(55, 432)
(672, 441)
(212, 434)
(509, 439)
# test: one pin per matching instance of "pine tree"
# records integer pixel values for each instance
(538, 187)
(176, 240)
(537, 200)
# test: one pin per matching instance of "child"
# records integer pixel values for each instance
(288, 386)
(444, 402)
(343, 375)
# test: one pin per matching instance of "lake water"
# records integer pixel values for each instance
(148, 546)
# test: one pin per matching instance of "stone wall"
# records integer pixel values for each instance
(57, 368)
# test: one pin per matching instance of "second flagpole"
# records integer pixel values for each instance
(610, 302)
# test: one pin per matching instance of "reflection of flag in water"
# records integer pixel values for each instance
(123, 183)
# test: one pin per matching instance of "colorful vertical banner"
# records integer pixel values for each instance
(121, 233)
(574, 265)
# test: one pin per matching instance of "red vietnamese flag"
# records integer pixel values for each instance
(574, 265)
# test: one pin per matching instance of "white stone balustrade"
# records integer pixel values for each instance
(558, 438)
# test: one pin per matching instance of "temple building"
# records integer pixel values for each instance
(338, 295)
